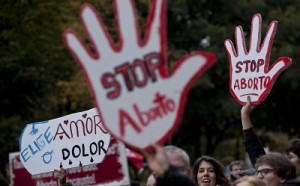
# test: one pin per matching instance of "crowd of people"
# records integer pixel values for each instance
(170, 165)
(271, 169)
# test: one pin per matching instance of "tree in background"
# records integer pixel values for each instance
(41, 81)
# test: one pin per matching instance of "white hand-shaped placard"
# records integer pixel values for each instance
(139, 101)
(250, 74)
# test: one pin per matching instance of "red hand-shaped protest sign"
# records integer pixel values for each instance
(250, 74)
(139, 101)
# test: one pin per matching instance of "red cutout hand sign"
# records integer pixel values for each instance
(139, 101)
(250, 74)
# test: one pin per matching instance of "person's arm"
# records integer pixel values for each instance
(253, 145)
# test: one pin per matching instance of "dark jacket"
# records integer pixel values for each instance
(253, 145)
(174, 177)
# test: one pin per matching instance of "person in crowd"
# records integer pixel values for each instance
(151, 180)
(178, 158)
(248, 181)
(254, 146)
(62, 176)
(292, 150)
(3, 180)
(166, 173)
(208, 171)
(275, 169)
(235, 168)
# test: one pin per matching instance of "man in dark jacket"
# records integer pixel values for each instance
(166, 174)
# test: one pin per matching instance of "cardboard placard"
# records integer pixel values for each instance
(112, 171)
(250, 74)
(140, 102)
(74, 140)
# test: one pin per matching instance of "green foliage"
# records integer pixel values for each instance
(9, 136)
(40, 80)
(211, 115)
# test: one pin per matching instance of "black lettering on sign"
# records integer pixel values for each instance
(83, 150)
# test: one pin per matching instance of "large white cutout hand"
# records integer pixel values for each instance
(139, 101)
(250, 74)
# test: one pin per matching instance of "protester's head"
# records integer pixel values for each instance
(151, 180)
(235, 168)
(209, 172)
(292, 150)
(248, 181)
(178, 158)
(275, 169)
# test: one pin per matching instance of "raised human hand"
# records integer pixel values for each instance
(140, 102)
(247, 108)
(157, 159)
(250, 74)
(61, 175)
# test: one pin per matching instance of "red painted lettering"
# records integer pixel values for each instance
(162, 107)
(253, 83)
(249, 65)
(139, 82)
(134, 75)
(109, 82)
(60, 131)
(238, 66)
(126, 120)
(124, 69)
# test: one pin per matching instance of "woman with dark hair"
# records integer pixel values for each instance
(208, 171)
